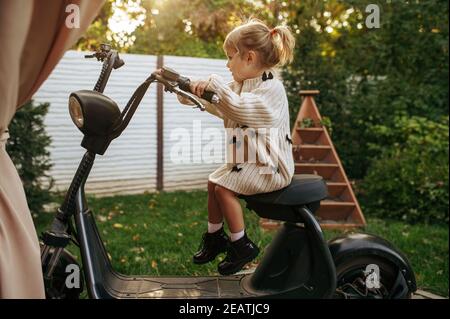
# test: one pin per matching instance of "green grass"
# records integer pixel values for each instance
(156, 234)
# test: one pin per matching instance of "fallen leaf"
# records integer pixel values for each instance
(137, 250)
(117, 225)
(154, 264)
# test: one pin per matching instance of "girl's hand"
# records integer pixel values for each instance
(198, 87)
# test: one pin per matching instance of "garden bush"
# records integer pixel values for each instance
(28, 149)
(409, 180)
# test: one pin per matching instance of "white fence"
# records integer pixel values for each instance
(130, 163)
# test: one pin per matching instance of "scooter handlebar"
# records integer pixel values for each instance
(184, 83)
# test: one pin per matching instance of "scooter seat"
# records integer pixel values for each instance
(304, 189)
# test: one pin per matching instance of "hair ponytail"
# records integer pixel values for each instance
(284, 42)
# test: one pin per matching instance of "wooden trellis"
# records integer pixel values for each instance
(314, 153)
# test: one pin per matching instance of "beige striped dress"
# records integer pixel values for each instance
(255, 114)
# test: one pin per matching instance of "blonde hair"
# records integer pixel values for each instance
(274, 46)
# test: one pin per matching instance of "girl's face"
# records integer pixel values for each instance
(242, 68)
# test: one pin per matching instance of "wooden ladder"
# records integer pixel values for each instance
(314, 153)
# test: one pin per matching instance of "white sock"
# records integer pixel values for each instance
(212, 228)
(238, 235)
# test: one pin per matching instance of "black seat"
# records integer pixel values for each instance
(305, 189)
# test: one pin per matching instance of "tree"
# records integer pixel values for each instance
(96, 33)
(366, 76)
(28, 149)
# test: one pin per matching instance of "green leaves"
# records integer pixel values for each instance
(400, 69)
(28, 149)
(409, 180)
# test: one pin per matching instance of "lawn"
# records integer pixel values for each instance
(157, 233)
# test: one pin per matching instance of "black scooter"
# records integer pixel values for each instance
(299, 263)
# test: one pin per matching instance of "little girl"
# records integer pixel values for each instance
(255, 103)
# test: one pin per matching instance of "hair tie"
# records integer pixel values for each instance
(273, 31)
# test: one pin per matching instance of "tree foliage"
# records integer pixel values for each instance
(368, 77)
(28, 148)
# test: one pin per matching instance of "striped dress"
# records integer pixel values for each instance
(255, 114)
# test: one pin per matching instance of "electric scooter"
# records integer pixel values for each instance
(298, 263)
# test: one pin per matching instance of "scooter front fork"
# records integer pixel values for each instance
(54, 244)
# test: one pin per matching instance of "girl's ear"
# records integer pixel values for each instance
(251, 57)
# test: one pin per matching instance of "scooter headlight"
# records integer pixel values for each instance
(76, 112)
(93, 113)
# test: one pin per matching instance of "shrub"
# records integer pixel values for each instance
(27, 148)
(409, 181)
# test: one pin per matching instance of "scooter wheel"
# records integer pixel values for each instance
(55, 287)
(354, 280)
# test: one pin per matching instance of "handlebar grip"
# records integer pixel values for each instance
(184, 84)
(210, 96)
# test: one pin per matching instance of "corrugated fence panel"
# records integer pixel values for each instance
(184, 125)
(129, 165)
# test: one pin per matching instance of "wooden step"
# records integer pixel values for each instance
(309, 135)
(335, 189)
(339, 225)
(311, 152)
(269, 224)
(336, 204)
(323, 169)
(335, 210)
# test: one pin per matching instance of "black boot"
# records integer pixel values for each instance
(212, 245)
(239, 253)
